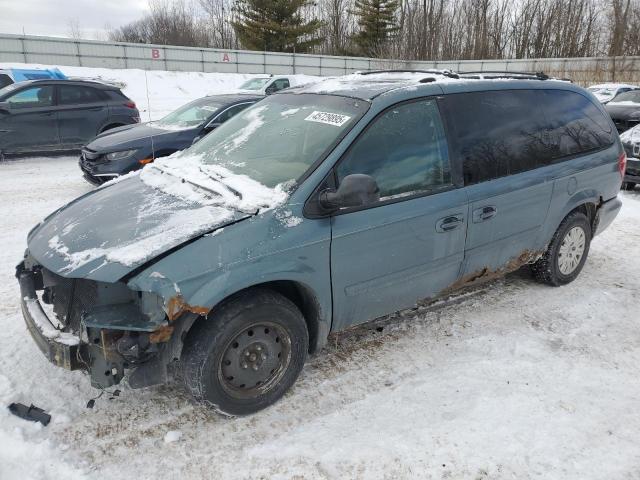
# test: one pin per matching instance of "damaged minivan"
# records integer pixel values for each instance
(317, 209)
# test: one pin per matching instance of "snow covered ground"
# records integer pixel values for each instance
(514, 381)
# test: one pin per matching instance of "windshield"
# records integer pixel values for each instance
(254, 84)
(632, 96)
(279, 138)
(190, 115)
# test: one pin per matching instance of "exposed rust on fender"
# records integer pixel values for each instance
(161, 334)
(486, 274)
(176, 306)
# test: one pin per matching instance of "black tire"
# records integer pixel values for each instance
(215, 357)
(548, 268)
(628, 186)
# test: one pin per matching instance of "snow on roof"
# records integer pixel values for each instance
(614, 85)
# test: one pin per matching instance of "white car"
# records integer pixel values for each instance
(268, 84)
(606, 91)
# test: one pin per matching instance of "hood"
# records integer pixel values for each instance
(112, 231)
(622, 109)
(138, 135)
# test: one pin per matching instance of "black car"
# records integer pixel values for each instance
(631, 143)
(123, 150)
(55, 115)
(624, 109)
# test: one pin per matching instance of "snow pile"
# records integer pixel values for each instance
(166, 90)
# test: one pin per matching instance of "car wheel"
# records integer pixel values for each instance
(247, 354)
(628, 186)
(567, 252)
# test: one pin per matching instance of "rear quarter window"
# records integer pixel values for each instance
(502, 133)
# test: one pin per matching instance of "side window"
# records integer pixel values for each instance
(404, 150)
(281, 83)
(32, 97)
(497, 133)
(77, 95)
(575, 124)
(226, 115)
(5, 80)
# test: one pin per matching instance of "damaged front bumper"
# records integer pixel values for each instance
(61, 348)
(102, 328)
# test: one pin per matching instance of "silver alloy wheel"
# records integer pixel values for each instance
(571, 250)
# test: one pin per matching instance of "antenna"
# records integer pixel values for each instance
(146, 81)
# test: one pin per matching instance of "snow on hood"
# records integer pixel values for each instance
(632, 135)
(625, 103)
(115, 229)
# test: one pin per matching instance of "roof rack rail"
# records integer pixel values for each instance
(446, 73)
(505, 74)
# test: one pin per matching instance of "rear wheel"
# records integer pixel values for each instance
(628, 186)
(247, 354)
(567, 252)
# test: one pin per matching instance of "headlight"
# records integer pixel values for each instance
(120, 155)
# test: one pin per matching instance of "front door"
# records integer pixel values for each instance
(30, 123)
(409, 245)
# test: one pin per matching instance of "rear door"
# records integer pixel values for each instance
(500, 139)
(409, 245)
(82, 112)
(30, 123)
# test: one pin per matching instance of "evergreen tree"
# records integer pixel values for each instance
(275, 25)
(377, 21)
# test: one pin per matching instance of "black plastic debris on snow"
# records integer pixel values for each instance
(32, 413)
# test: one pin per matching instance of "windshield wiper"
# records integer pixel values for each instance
(219, 178)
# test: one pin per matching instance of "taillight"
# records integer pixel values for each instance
(130, 104)
(622, 163)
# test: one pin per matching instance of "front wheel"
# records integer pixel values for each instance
(567, 252)
(247, 354)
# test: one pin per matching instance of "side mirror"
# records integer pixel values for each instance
(354, 191)
(196, 140)
(5, 107)
(270, 89)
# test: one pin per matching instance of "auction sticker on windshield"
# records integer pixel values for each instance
(329, 118)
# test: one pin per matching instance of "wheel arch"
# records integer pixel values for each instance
(109, 126)
(302, 296)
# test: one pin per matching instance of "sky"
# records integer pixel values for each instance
(53, 17)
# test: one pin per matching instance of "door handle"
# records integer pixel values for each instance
(449, 223)
(484, 213)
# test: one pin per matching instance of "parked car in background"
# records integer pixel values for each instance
(125, 149)
(15, 75)
(317, 209)
(631, 143)
(268, 84)
(58, 115)
(607, 91)
(624, 110)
